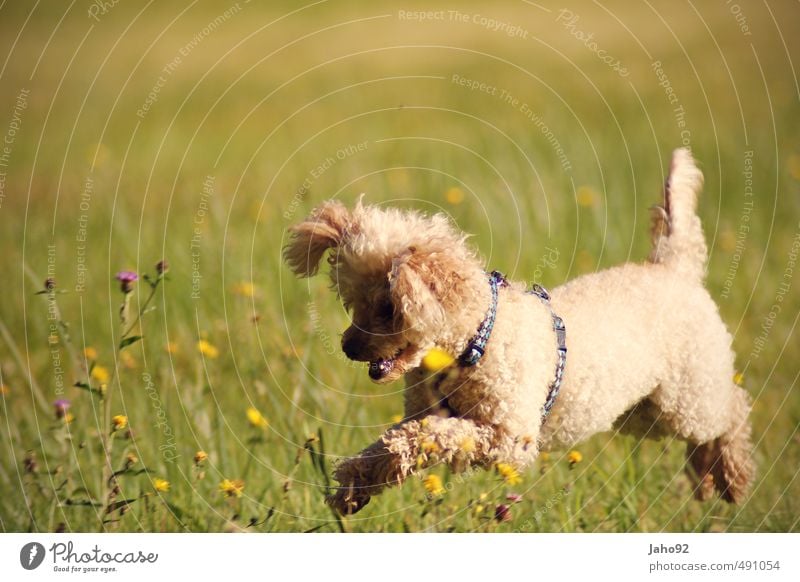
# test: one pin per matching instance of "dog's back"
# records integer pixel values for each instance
(648, 339)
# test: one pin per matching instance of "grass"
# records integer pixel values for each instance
(248, 132)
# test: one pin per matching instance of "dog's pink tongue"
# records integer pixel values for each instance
(380, 368)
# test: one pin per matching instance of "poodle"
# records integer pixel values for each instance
(638, 348)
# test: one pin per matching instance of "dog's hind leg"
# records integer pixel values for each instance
(704, 468)
(726, 463)
(715, 425)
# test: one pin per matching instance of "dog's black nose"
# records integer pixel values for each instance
(351, 346)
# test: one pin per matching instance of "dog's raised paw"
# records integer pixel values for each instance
(346, 501)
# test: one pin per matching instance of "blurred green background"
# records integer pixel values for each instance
(199, 132)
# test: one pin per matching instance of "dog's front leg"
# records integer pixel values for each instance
(407, 447)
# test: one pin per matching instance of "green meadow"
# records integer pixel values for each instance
(215, 397)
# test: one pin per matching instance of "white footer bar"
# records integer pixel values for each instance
(387, 557)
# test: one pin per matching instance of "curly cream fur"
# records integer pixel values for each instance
(648, 352)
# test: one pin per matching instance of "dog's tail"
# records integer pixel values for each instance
(677, 235)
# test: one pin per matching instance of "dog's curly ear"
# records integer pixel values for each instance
(413, 289)
(322, 230)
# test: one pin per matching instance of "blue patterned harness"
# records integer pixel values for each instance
(477, 345)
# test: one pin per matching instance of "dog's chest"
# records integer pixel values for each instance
(454, 393)
(437, 400)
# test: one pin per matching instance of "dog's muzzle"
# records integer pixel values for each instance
(352, 347)
(380, 369)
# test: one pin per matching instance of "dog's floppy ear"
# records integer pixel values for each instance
(322, 230)
(413, 289)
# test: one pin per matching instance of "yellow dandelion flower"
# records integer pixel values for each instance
(171, 347)
(232, 488)
(207, 349)
(396, 419)
(467, 445)
(200, 457)
(738, 378)
(161, 485)
(90, 353)
(574, 457)
(127, 360)
(727, 241)
(509, 474)
(245, 289)
(479, 509)
(68, 418)
(454, 195)
(437, 360)
(5, 390)
(120, 421)
(256, 419)
(101, 374)
(587, 197)
(433, 485)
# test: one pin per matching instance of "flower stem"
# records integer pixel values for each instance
(153, 288)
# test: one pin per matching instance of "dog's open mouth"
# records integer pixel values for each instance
(380, 368)
(388, 369)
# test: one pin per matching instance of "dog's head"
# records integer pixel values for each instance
(409, 280)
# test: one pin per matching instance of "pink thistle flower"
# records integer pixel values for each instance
(61, 406)
(502, 512)
(126, 279)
